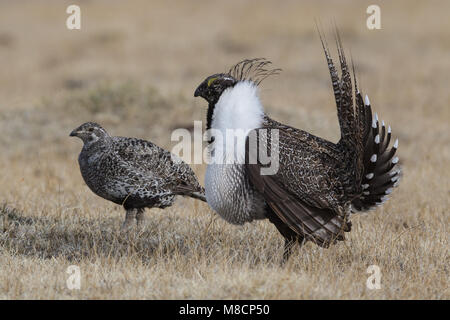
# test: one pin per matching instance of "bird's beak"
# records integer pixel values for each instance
(73, 133)
(198, 91)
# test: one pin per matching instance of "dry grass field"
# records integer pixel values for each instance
(133, 67)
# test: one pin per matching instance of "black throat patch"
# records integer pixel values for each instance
(209, 116)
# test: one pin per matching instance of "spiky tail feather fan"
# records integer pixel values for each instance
(377, 169)
(381, 172)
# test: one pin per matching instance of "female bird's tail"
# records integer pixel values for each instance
(196, 191)
(198, 195)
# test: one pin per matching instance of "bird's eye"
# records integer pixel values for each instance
(210, 81)
(91, 129)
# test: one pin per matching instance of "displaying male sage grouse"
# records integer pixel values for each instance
(132, 172)
(318, 183)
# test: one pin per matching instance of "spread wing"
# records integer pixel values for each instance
(305, 192)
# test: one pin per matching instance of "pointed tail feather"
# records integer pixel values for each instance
(196, 192)
(198, 195)
(380, 166)
(342, 88)
(376, 166)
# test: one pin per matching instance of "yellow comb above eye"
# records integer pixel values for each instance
(210, 81)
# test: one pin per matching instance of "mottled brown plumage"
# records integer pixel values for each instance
(134, 173)
(318, 183)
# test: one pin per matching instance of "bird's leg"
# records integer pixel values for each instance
(140, 216)
(290, 237)
(129, 219)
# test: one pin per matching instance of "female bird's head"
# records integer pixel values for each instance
(89, 132)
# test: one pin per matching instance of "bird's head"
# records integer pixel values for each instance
(250, 70)
(255, 70)
(89, 132)
(213, 86)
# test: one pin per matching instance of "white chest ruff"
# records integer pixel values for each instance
(229, 193)
(227, 188)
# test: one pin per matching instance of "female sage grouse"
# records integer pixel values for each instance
(132, 172)
(318, 183)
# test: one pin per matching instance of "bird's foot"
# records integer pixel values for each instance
(129, 220)
(126, 226)
(140, 218)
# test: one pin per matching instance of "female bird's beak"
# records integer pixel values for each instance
(74, 133)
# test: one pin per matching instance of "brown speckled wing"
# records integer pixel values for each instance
(154, 169)
(305, 193)
(321, 226)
